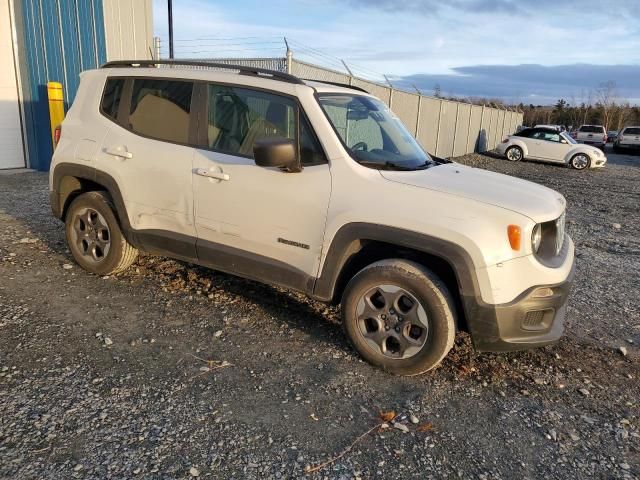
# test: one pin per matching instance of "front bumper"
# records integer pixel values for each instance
(598, 162)
(529, 321)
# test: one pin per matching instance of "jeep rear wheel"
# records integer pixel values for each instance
(94, 236)
(399, 316)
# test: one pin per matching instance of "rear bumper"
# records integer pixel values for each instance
(529, 321)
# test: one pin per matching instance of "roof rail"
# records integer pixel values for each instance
(337, 84)
(244, 70)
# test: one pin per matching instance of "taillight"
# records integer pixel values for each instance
(56, 135)
(620, 137)
(604, 138)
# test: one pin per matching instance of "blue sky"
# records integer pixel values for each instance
(519, 50)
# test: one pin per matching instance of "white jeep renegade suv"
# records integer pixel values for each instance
(313, 187)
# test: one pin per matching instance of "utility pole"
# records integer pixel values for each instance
(156, 48)
(289, 57)
(170, 5)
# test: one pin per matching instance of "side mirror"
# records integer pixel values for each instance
(562, 140)
(276, 152)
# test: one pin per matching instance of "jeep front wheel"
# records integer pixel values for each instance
(94, 236)
(399, 316)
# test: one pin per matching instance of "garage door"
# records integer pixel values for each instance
(12, 154)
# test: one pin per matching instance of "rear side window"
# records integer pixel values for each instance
(161, 109)
(527, 132)
(111, 97)
(591, 129)
(632, 131)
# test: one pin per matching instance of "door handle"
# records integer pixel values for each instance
(118, 151)
(203, 172)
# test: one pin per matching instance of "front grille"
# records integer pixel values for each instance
(533, 319)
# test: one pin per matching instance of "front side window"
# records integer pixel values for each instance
(160, 109)
(238, 117)
(111, 97)
(373, 135)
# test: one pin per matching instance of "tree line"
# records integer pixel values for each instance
(602, 106)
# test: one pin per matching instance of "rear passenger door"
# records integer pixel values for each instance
(147, 152)
(262, 223)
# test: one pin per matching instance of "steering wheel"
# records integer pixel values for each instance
(361, 146)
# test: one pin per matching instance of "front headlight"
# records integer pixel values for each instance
(536, 238)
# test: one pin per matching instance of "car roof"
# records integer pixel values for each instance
(543, 129)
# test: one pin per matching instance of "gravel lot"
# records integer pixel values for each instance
(122, 377)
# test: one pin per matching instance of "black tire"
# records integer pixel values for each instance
(516, 154)
(616, 149)
(578, 163)
(83, 243)
(421, 285)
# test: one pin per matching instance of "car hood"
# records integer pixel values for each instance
(539, 203)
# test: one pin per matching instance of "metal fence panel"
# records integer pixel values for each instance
(462, 129)
(473, 137)
(508, 122)
(312, 72)
(483, 136)
(446, 129)
(428, 127)
(380, 91)
(405, 106)
(493, 126)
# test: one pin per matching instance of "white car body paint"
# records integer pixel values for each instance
(552, 152)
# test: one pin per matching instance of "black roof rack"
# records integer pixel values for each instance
(337, 84)
(243, 69)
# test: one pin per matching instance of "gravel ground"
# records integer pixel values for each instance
(174, 371)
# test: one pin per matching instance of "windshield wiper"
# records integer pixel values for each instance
(393, 166)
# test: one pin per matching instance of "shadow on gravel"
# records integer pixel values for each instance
(319, 321)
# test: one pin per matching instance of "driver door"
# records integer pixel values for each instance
(549, 146)
(261, 223)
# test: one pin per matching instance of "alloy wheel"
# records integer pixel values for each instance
(514, 154)
(580, 161)
(392, 321)
(92, 237)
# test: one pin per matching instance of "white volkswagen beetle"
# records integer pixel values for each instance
(550, 145)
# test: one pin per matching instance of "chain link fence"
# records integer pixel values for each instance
(445, 128)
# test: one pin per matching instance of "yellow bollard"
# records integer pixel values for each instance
(56, 108)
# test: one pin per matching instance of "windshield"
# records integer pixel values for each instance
(374, 136)
(568, 138)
